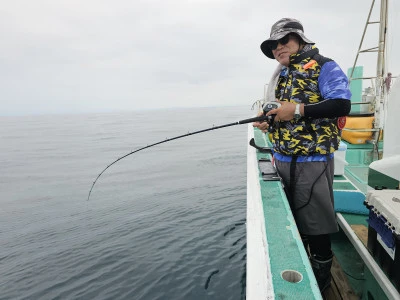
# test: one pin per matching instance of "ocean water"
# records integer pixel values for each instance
(165, 223)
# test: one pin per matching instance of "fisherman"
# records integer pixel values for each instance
(314, 95)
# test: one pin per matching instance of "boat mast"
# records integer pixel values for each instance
(381, 67)
(378, 103)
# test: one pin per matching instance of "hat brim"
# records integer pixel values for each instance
(265, 46)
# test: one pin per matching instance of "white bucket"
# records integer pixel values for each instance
(340, 159)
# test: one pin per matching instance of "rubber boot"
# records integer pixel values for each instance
(322, 270)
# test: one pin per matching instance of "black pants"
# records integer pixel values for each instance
(319, 245)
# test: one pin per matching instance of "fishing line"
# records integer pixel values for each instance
(245, 121)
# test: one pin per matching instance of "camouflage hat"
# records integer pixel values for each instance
(279, 30)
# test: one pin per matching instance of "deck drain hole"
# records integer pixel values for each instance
(292, 276)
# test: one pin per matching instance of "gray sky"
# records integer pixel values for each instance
(63, 56)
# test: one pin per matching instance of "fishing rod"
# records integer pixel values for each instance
(262, 118)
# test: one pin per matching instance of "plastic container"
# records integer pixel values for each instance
(384, 231)
(340, 159)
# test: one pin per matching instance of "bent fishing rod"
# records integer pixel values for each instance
(255, 119)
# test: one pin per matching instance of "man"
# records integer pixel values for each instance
(313, 93)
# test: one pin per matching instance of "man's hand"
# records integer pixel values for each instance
(283, 113)
(263, 126)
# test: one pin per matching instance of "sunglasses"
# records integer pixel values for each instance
(283, 41)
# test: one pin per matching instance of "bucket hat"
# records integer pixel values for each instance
(279, 30)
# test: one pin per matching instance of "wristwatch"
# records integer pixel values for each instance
(297, 114)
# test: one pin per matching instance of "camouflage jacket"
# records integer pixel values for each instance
(310, 78)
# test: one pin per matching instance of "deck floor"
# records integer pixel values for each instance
(340, 288)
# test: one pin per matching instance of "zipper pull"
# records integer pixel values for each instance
(309, 64)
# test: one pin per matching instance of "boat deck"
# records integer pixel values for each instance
(340, 288)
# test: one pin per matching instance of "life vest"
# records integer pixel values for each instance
(298, 83)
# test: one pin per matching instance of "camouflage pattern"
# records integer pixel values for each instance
(279, 30)
(297, 84)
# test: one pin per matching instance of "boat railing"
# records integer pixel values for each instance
(257, 104)
(369, 102)
(361, 129)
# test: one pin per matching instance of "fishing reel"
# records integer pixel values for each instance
(268, 106)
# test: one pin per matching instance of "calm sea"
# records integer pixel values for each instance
(165, 223)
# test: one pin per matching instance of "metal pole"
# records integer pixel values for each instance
(380, 68)
(362, 39)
